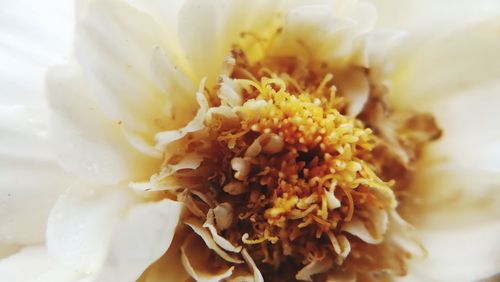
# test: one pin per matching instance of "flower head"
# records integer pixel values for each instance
(243, 141)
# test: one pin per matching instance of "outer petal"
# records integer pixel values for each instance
(88, 142)
(459, 254)
(33, 264)
(450, 62)
(30, 180)
(455, 76)
(106, 233)
(208, 30)
(428, 15)
(452, 72)
(115, 44)
(32, 38)
(140, 239)
(169, 267)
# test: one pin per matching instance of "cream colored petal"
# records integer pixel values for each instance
(221, 241)
(331, 32)
(180, 91)
(30, 179)
(379, 220)
(166, 137)
(197, 263)
(223, 215)
(106, 232)
(88, 142)
(459, 254)
(33, 264)
(439, 66)
(209, 240)
(229, 92)
(166, 15)
(34, 35)
(139, 239)
(198, 34)
(315, 267)
(169, 267)
(427, 16)
(257, 276)
(115, 44)
(469, 119)
(81, 224)
(213, 27)
(354, 85)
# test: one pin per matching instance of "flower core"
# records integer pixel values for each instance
(274, 164)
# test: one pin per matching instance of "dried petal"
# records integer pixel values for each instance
(314, 267)
(196, 260)
(209, 240)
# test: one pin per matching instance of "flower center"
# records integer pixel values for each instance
(294, 179)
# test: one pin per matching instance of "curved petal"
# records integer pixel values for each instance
(169, 267)
(458, 184)
(105, 232)
(428, 15)
(33, 36)
(459, 254)
(30, 179)
(81, 224)
(333, 32)
(140, 239)
(132, 83)
(88, 142)
(196, 260)
(427, 69)
(33, 264)
(470, 128)
(213, 28)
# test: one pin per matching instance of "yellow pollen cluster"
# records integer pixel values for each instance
(279, 169)
(314, 184)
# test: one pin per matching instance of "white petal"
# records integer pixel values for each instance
(459, 185)
(166, 15)
(470, 128)
(88, 142)
(197, 262)
(209, 240)
(105, 232)
(140, 239)
(115, 45)
(459, 254)
(208, 30)
(358, 228)
(220, 240)
(436, 67)
(33, 264)
(33, 36)
(198, 37)
(427, 16)
(169, 267)
(331, 31)
(257, 276)
(81, 224)
(314, 267)
(30, 179)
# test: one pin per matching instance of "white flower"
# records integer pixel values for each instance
(132, 111)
